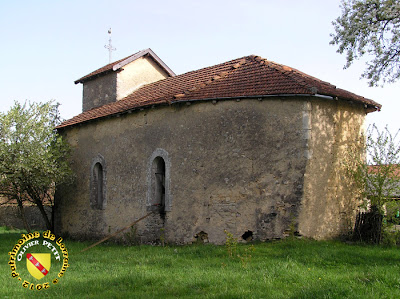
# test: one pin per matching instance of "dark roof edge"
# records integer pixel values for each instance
(142, 54)
(368, 107)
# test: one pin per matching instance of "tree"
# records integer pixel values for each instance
(376, 174)
(33, 157)
(372, 166)
(372, 28)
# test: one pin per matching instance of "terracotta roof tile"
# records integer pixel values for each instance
(250, 76)
(375, 169)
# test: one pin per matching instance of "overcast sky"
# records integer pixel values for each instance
(46, 45)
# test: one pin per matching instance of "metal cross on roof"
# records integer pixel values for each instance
(109, 47)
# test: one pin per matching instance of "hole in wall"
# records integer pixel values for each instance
(201, 237)
(248, 236)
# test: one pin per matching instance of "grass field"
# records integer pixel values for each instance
(280, 269)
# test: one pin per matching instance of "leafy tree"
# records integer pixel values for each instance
(33, 157)
(375, 172)
(383, 150)
(373, 166)
(372, 28)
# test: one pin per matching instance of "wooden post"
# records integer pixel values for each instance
(117, 232)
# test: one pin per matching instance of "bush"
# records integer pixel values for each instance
(391, 236)
(392, 209)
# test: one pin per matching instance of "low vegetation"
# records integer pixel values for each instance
(290, 268)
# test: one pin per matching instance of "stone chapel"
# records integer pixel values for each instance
(249, 146)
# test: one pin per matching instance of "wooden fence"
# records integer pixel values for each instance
(368, 227)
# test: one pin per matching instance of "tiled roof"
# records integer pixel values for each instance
(250, 76)
(116, 65)
(376, 168)
(394, 174)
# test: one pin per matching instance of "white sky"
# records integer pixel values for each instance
(46, 45)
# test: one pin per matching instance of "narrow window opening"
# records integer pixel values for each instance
(159, 184)
(98, 187)
(98, 179)
(159, 197)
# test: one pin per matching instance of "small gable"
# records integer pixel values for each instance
(116, 80)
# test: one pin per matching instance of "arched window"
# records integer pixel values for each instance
(97, 184)
(158, 194)
(158, 176)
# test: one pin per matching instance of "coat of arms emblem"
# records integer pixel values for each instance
(38, 264)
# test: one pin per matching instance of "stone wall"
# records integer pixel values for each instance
(234, 165)
(10, 216)
(329, 208)
(99, 91)
(136, 74)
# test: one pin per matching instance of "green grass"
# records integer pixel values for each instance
(8, 230)
(282, 269)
